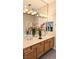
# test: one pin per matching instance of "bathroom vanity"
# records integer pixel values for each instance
(34, 48)
(38, 28)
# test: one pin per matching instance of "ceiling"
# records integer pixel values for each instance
(36, 4)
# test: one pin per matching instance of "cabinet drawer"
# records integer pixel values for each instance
(31, 55)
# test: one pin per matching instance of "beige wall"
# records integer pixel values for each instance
(52, 14)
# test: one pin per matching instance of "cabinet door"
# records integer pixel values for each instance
(30, 54)
(40, 49)
(46, 45)
(51, 43)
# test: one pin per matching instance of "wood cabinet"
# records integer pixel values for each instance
(35, 51)
(49, 44)
(29, 53)
(40, 49)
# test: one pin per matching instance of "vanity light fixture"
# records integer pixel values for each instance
(29, 10)
(34, 12)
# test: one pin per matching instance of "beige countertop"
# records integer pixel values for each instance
(35, 40)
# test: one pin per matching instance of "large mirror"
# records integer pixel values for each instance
(35, 17)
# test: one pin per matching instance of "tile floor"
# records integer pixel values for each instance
(50, 55)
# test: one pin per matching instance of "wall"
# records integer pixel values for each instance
(52, 14)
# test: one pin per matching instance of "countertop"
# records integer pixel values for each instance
(35, 40)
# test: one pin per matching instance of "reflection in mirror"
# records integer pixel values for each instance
(35, 18)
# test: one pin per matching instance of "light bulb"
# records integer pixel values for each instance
(37, 14)
(26, 10)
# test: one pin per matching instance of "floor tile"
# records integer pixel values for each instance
(50, 55)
